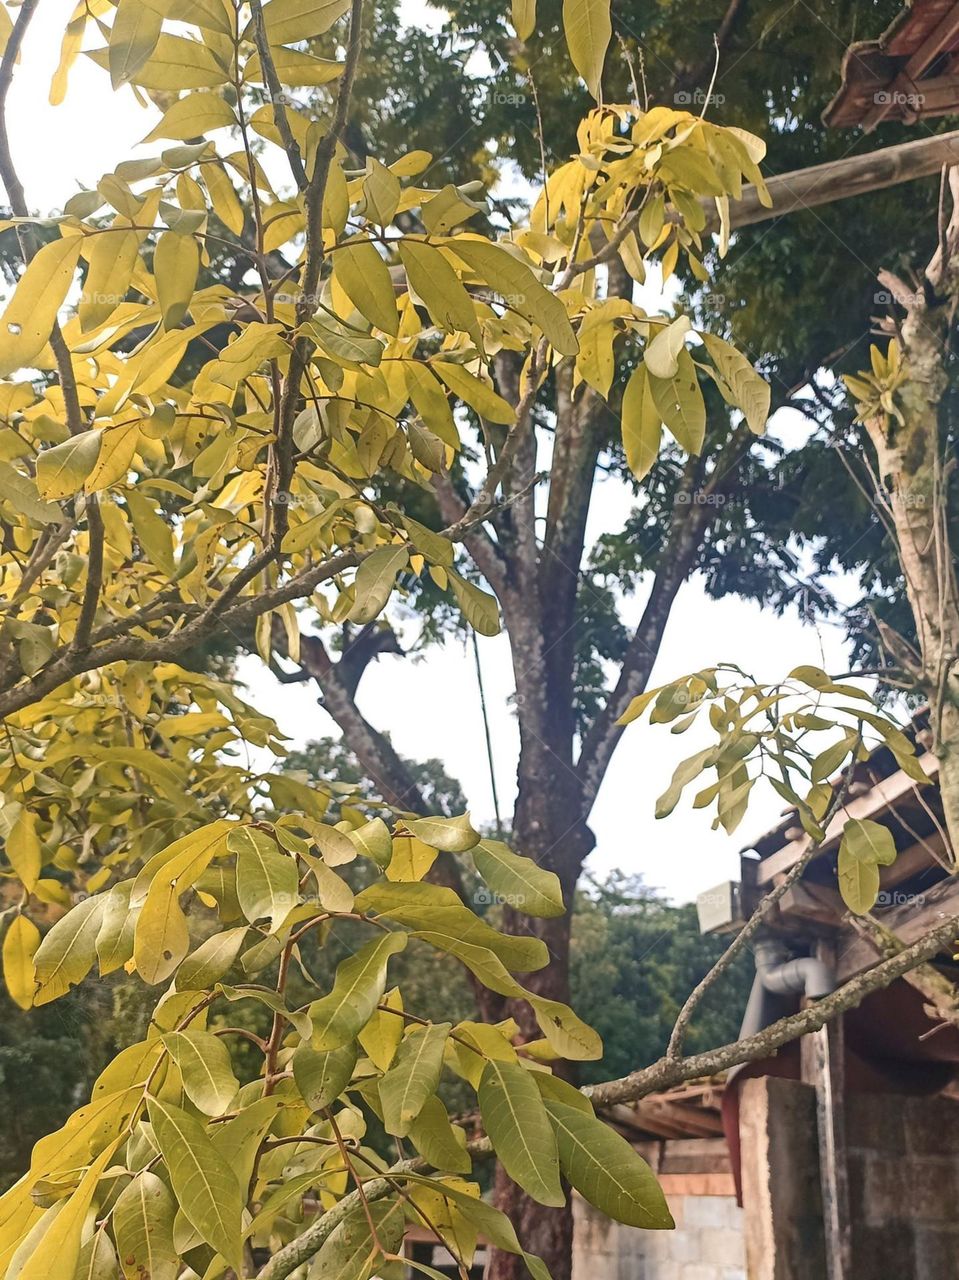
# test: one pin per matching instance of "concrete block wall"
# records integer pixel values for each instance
(707, 1244)
(903, 1164)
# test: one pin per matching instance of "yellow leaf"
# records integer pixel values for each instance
(290, 20)
(642, 424)
(179, 63)
(433, 279)
(19, 947)
(295, 68)
(153, 533)
(411, 859)
(117, 447)
(23, 849)
(588, 33)
(473, 391)
(226, 203)
(176, 264)
(59, 1250)
(133, 37)
(524, 18)
(112, 260)
(513, 279)
(31, 312)
(62, 470)
(365, 279)
(192, 116)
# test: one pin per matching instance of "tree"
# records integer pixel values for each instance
(155, 501)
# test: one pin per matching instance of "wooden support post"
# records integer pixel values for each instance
(823, 1067)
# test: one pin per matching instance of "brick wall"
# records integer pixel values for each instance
(706, 1245)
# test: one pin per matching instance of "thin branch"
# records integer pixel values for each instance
(268, 67)
(754, 924)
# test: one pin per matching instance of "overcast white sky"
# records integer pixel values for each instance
(431, 705)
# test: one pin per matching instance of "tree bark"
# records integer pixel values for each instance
(914, 487)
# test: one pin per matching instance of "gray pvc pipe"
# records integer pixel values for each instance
(778, 975)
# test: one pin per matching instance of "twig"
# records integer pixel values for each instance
(268, 67)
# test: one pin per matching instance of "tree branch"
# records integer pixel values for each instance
(687, 523)
(639, 1084)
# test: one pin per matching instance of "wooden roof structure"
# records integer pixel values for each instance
(910, 73)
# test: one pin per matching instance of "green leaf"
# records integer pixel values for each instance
(568, 1035)
(515, 1119)
(115, 936)
(453, 835)
(519, 881)
(588, 33)
(869, 841)
(67, 952)
(684, 773)
(211, 960)
(267, 882)
(479, 608)
(858, 881)
(440, 1143)
(413, 1077)
(438, 909)
(350, 1252)
(98, 1260)
(642, 424)
(605, 1169)
(365, 279)
(206, 1069)
(322, 1077)
(373, 840)
(359, 984)
(204, 1184)
(513, 279)
(143, 1226)
(375, 579)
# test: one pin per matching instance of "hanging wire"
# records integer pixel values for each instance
(489, 739)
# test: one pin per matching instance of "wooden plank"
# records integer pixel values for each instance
(840, 179)
(938, 39)
(697, 1184)
(881, 797)
(823, 1067)
(908, 922)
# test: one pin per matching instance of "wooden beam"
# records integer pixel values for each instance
(840, 179)
(880, 797)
